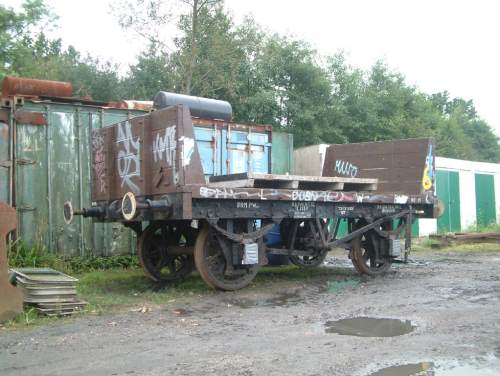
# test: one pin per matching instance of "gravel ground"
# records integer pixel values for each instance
(452, 300)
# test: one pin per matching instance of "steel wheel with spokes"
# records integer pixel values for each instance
(212, 264)
(363, 257)
(307, 239)
(153, 250)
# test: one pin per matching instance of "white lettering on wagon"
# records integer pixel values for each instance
(208, 192)
(400, 199)
(315, 196)
(346, 168)
(129, 164)
(246, 205)
(164, 147)
(270, 194)
(344, 209)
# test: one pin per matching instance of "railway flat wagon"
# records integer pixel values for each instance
(148, 175)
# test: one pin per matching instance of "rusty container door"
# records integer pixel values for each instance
(4, 156)
(53, 166)
(228, 148)
(244, 150)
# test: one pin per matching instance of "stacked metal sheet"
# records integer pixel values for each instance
(52, 293)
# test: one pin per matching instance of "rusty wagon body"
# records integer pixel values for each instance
(148, 175)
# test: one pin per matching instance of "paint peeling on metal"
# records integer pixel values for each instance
(32, 118)
(187, 150)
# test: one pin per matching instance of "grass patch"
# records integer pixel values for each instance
(116, 289)
(489, 228)
(21, 254)
(120, 290)
(118, 284)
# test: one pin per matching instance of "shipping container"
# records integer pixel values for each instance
(52, 165)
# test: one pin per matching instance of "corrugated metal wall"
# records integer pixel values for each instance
(282, 153)
(53, 166)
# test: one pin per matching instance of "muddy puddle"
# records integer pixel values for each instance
(421, 369)
(369, 327)
(286, 299)
(440, 369)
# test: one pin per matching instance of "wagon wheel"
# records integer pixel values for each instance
(364, 259)
(307, 240)
(212, 264)
(153, 251)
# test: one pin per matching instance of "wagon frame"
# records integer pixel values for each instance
(220, 225)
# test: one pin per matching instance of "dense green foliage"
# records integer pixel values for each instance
(36, 256)
(268, 78)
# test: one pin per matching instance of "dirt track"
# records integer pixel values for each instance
(453, 300)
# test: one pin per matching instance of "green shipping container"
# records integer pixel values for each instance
(485, 200)
(282, 153)
(448, 191)
(53, 166)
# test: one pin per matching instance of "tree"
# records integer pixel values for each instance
(214, 71)
(149, 18)
(281, 84)
(153, 72)
(16, 29)
(46, 59)
(463, 114)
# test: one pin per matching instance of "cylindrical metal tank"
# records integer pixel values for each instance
(31, 87)
(200, 107)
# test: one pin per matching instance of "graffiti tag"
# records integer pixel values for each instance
(346, 168)
(129, 149)
(99, 164)
(164, 147)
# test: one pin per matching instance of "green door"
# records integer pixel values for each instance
(448, 191)
(485, 200)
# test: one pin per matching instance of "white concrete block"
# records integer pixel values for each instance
(427, 226)
(309, 160)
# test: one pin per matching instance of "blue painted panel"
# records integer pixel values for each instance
(204, 139)
(236, 155)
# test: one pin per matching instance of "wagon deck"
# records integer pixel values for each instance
(318, 183)
(148, 171)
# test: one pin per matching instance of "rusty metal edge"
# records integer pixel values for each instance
(32, 118)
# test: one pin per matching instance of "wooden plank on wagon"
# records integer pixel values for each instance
(259, 180)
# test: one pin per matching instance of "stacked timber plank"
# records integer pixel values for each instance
(52, 293)
(467, 238)
(258, 180)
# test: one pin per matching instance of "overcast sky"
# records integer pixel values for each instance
(437, 44)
